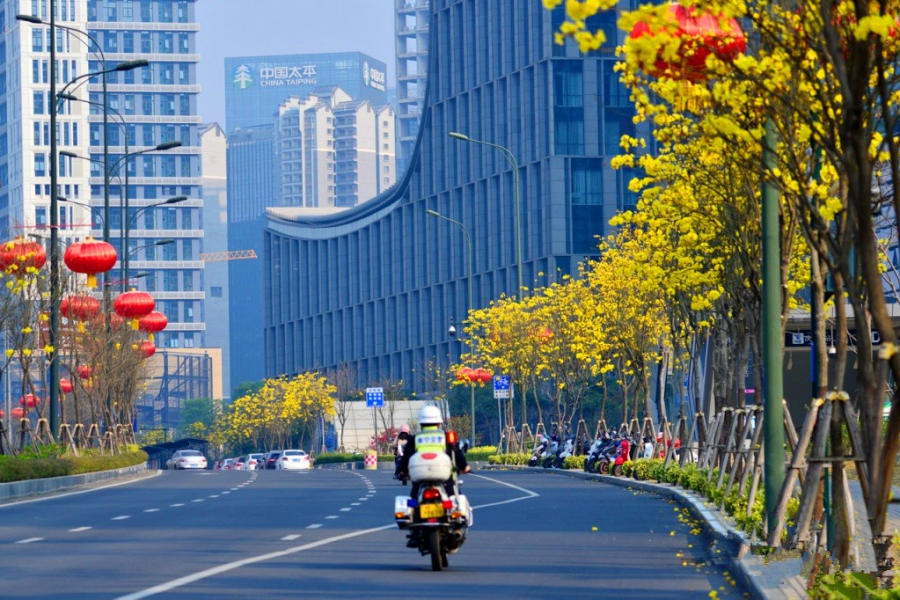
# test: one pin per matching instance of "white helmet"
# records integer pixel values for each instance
(430, 415)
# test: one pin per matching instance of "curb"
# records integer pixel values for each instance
(747, 567)
(29, 488)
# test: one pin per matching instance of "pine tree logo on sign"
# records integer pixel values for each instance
(366, 73)
(243, 78)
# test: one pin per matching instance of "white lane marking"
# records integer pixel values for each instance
(176, 505)
(314, 526)
(225, 492)
(363, 499)
(53, 497)
(345, 510)
(331, 517)
(183, 581)
(197, 500)
(214, 496)
(29, 540)
(121, 518)
(79, 529)
(234, 489)
(151, 510)
(515, 487)
(290, 538)
(354, 504)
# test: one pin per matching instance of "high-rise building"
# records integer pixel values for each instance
(375, 286)
(215, 245)
(158, 104)
(252, 186)
(411, 21)
(256, 85)
(25, 123)
(333, 150)
(274, 159)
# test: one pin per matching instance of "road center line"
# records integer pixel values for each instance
(183, 581)
(290, 538)
(29, 540)
(79, 529)
(121, 518)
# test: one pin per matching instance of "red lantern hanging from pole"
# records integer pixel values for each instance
(80, 308)
(65, 386)
(147, 349)
(17, 413)
(19, 255)
(153, 323)
(134, 305)
(30, 401)
(90, 257)
(85, 371)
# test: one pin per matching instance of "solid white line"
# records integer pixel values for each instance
(183, 581)
(96, 489)
(79, 529)
(314, 526)
(121, 518)
(290, 538)
(29, 540)
(150, 510)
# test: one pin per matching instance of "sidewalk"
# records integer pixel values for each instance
(775, 578)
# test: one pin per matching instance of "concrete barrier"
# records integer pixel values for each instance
(18, 490)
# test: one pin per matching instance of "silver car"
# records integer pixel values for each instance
(186, 459)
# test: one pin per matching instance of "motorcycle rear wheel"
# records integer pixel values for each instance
(604, 468)
(617, 471)
(434, 548)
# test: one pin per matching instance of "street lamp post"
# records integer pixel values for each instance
(465, 231)
(508, 155)
(126, 227)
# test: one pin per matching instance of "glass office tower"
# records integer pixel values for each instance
(158, 104)
(376, 285)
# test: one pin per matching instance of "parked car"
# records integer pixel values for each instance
(227, 464)
(186, 459)
(239, 463)
(292, 459)
(272, 458)
(252, 461)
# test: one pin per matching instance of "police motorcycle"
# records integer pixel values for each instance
(437, 521)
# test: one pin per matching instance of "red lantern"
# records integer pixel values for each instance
(66, 386)
(544, 335)
(90, 257)
(116, 322)
(464, 374)
(153, 323)
(80, 308)
(2, 414)
(17, 413)
(484, 376)
(148, 349)
(18, 255)
(85, 371)
(134, 305)
(30, 401)
(699, 36)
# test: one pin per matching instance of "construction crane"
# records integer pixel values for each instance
(231, 255)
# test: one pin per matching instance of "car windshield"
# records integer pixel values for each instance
(255, 456)
(295, 453)
(275, 455)
(190, 453)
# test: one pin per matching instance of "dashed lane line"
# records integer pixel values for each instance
(121, 518)
(79, 529)
(290, 538)
(176, 505)
(314, 526)
(29, 540)
(331, 517)
(151, 510)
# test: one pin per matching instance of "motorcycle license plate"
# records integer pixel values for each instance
(431, 511)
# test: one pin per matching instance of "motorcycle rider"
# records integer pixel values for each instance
(433, 439)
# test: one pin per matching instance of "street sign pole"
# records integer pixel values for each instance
(375, 399)
(502, 389)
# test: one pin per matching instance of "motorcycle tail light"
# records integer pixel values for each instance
(448, 504)
(456, 515)
(451, 437)
(431, 494)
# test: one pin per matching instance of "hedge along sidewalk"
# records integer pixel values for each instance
(34, 488)
(777, 580)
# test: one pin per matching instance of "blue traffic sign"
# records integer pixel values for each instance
(501, 386)
(374, 397)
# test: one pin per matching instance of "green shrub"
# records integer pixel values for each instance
(481, 453)
(628, 468)
(327, 458)
(574, 462)
(513, 459)
(30, 465)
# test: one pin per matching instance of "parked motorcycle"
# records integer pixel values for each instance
(436, 521)
(564, 451)
(548, 456)
(539, 449)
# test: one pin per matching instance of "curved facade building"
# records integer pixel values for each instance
(375, 286)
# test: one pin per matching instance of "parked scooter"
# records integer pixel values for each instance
(539, 449)
(548, 456)
(564, 451)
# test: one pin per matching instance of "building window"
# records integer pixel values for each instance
(40, 216)
(128, 42)
(187, 281)
(40, 165)
(38, 103)
(170, 281)
(215, 291)
(146, 42)
(146, 11)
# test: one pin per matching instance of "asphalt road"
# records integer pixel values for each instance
(330, 534)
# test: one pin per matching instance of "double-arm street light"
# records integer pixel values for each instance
(471, 306)
(53, 332)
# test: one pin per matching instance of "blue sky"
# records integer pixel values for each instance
(259, 27)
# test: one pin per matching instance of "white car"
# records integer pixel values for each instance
(186, 459)
(252, 460)
(292, 459)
